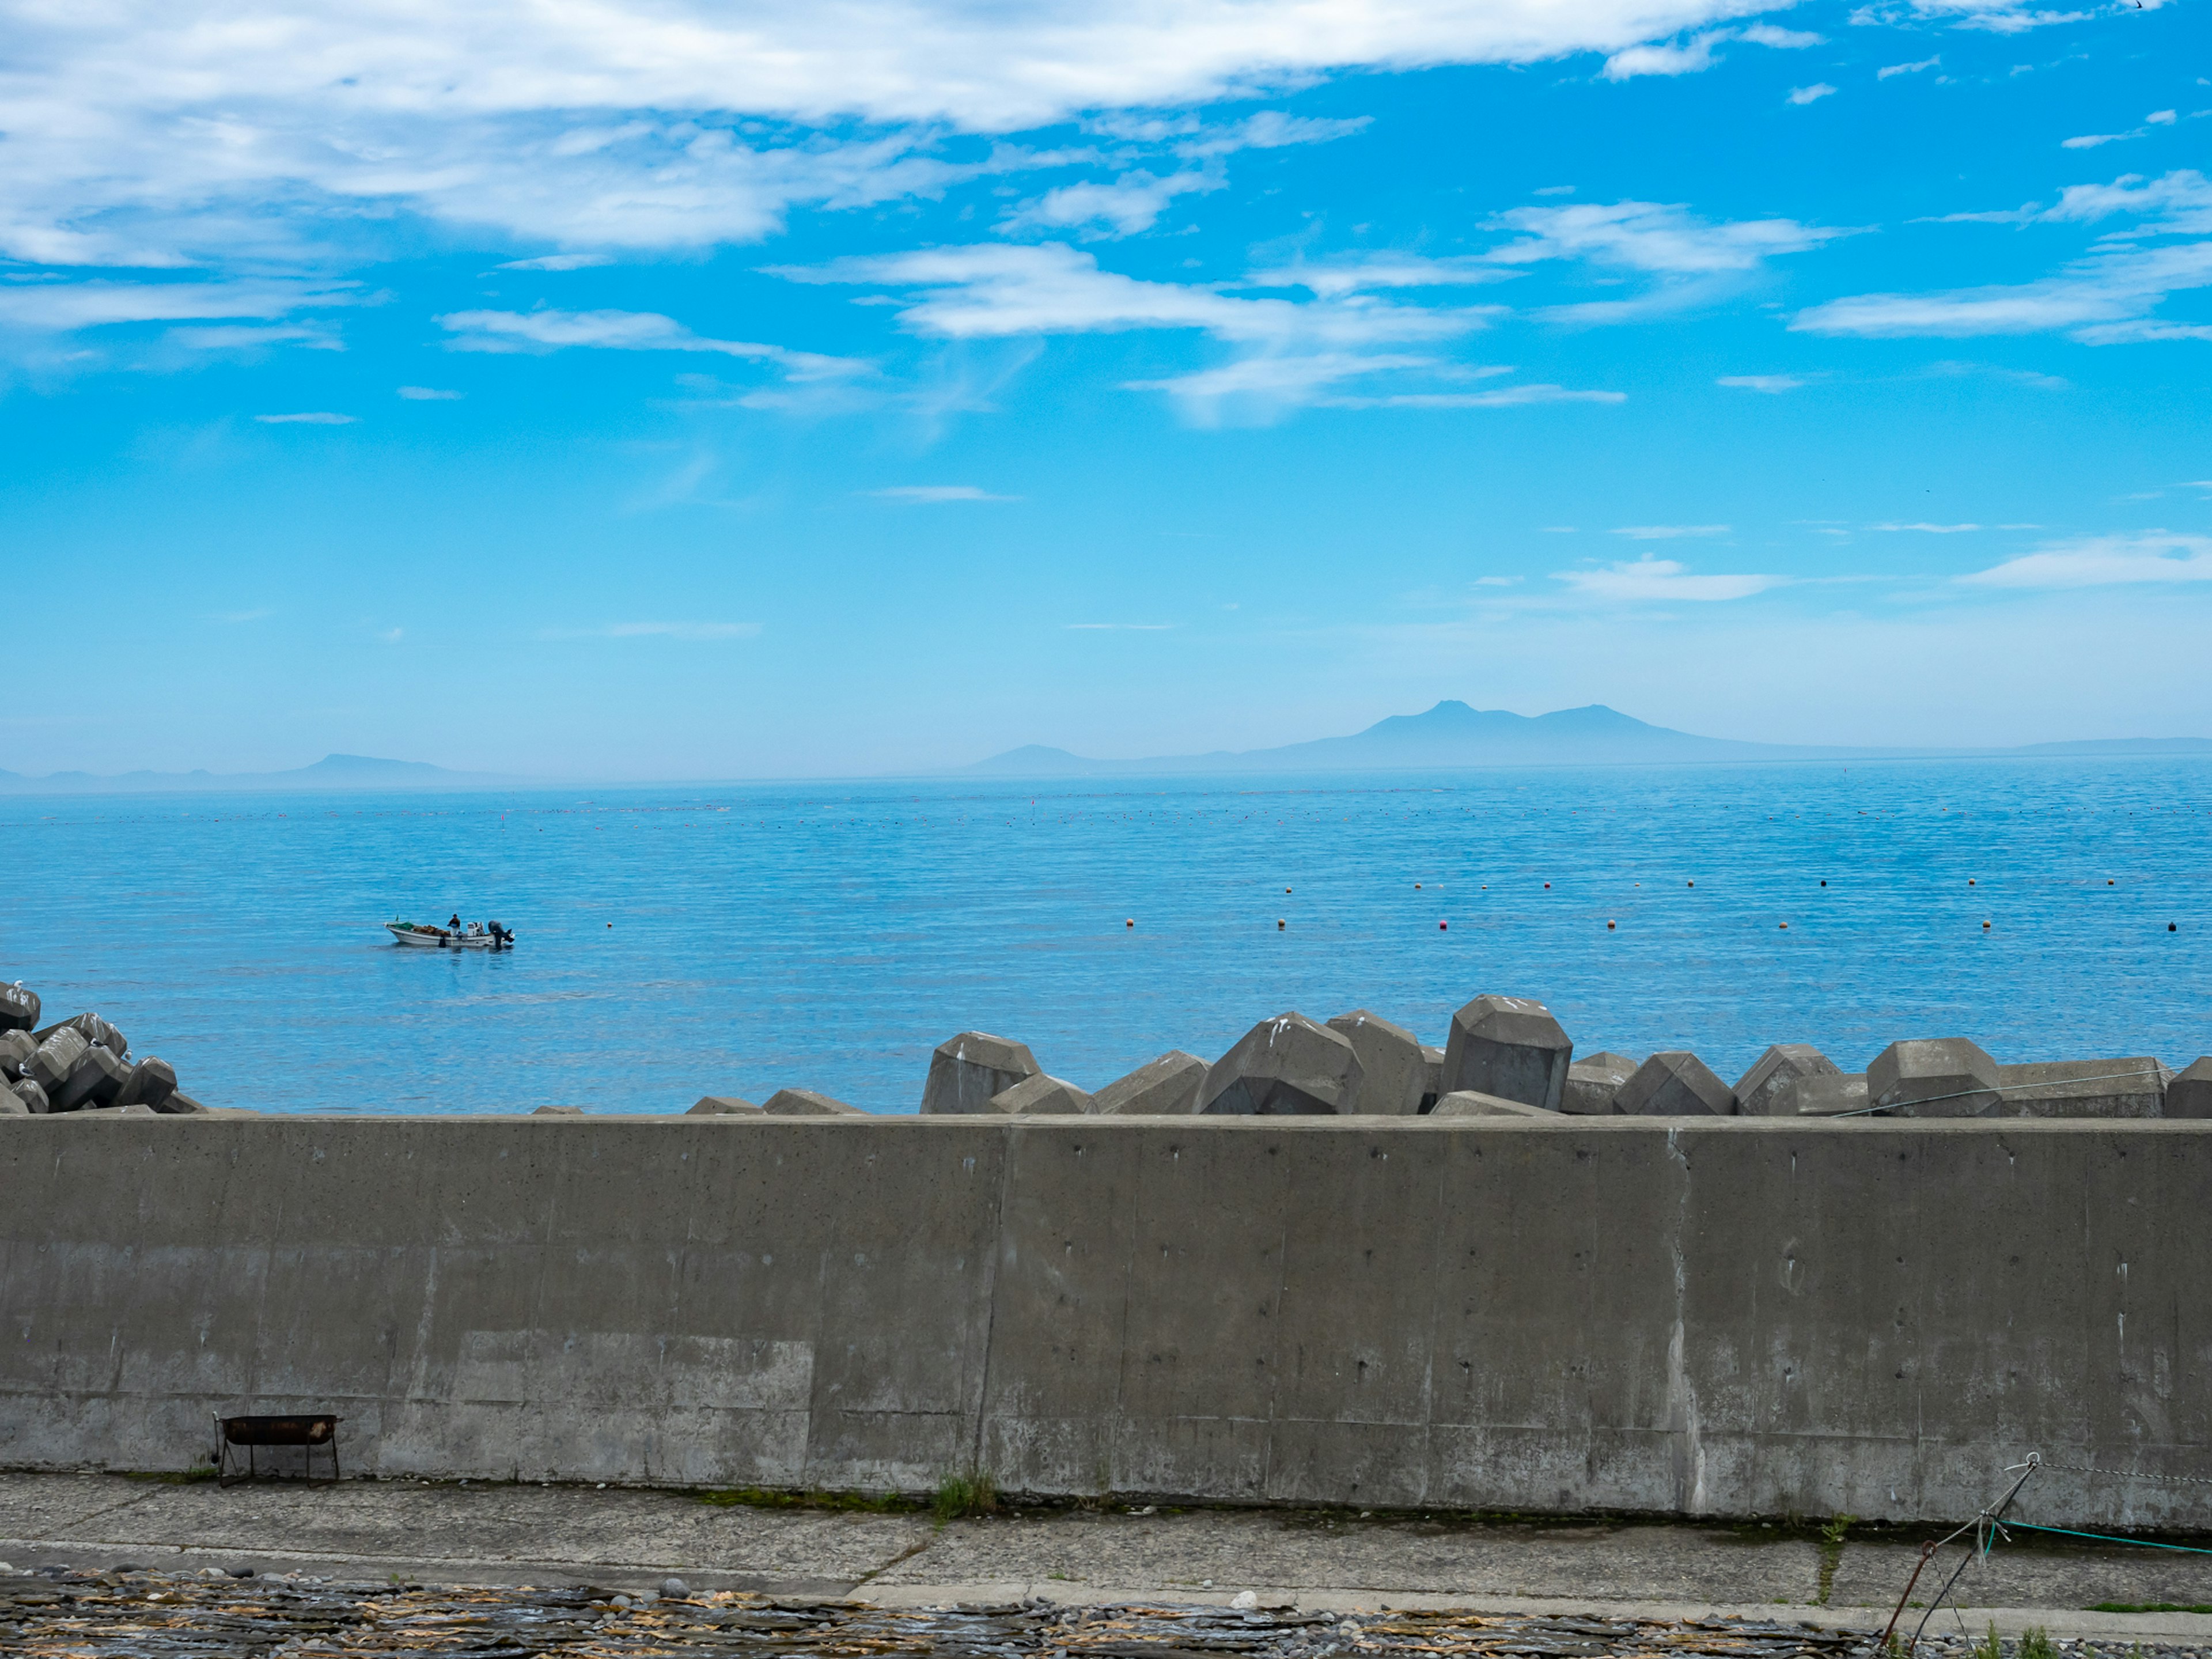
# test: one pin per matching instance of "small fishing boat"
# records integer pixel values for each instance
(476, 936)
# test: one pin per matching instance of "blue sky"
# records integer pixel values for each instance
(707, 391)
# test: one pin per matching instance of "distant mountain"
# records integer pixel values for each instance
(1453, 734)
(331, 772)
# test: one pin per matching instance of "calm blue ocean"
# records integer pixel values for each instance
(738, 939)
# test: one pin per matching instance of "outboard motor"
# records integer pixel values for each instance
(502, 937)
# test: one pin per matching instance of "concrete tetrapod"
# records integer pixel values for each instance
(149, 1083)
(2132, 1087)
(1935, 1077)
(32, 1096)
(19, 1008)
(1393, 1077)
(1820, 1094)
(11, 1105)
(93, 1028)
(1675, 1083)
(2190, 1094)
(806, 1102)
(94, 1080)
(16, 1048)
(968, 1070)
(556, 1111)
(1043, 1094)
(55, 1058)
(1432, 1076)
(1469, 1103)
(1166, 1087)
(1593, 1081)
(722, 1106)
(1770, 1086)
(1286, 1066)
(1508, 1046)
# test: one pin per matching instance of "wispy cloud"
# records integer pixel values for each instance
(688, 631)
(623, 330)
(1929, 529)
(1669, 532)
(936, 495)
(1890, 70)
(2155, 556)
(559, 262)
(1811, 95)
(1122, 207)
(2106, 297)
(1770, 383)
(312, 417)
(1694, 55)
(1647, 577)
(426, 394)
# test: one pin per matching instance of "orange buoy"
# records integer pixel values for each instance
(1786, 926)
(1417, 887)
(1131, 922)
(1608, 928)
(2108, 883)
(1985, 927)
(1287, 889)
(1970, 881)
(1279, 924)
(1689, 884)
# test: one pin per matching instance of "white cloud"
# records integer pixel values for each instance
(2093, 140)
(141, 132)
(2160, 118)
(1331, 278)
(1693, 56)
(1663, 238)
(559, 262)
(540, 331)
(1889, 70)
(1271, 129)
(1760, 382)
(1647, 577)
(60, 306)
(426, 394)
(1669, 532)
(1768, 35)
(2156, 556)
(1503, 397)
(1929, 529)
(316, 417)
(2106, 297)
(935, 494)
(1811, 95)
(1129, 205)
(254, 336)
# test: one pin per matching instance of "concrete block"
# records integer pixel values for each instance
(1592, 1083)
(181, 1105)
(1935, 1077)
(556, 1111)
(1166, 1087)
(1508, 1046)
(93, 1028)
(968, 1070)
(19, 1008)
(1820, 1094)
(96, 1080)
(806, 1102)
(2190, 1094)
(11, 1107)
(1393, 1077)
(1767, 1087)
(723, 1106)
(56, 1057)
(17, 1048)
(1286, 1067)
(1469, 1103)
(1044, 1094)
(1675, 1083)
(32, 1096)
(2132, 1087)
(1432, 1076)
(148, 1083)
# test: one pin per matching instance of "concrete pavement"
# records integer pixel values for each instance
(1336, 1561)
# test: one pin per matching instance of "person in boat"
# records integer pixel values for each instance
(454, 925)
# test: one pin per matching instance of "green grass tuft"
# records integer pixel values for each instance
(963, 1495)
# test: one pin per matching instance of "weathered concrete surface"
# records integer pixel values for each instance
(1043, 1093)
(1675, 1083)
(2190, 1093)
(1934, 1077)
(1821, 1095)
(508, 1533)
(966, 1071)
(1593, 1081)
(1286, 1067)
(1508, 1046)
(722, 1106)
(1770, 1087)
(1166, 1087)
(1394, 1075)
(19, 1007)
(808, 1102)
(2133, 1087)
(1745, 1315)
(1468, 1103)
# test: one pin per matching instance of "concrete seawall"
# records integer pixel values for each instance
(1724, 1316)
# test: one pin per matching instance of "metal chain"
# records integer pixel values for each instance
(2123, 1474)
